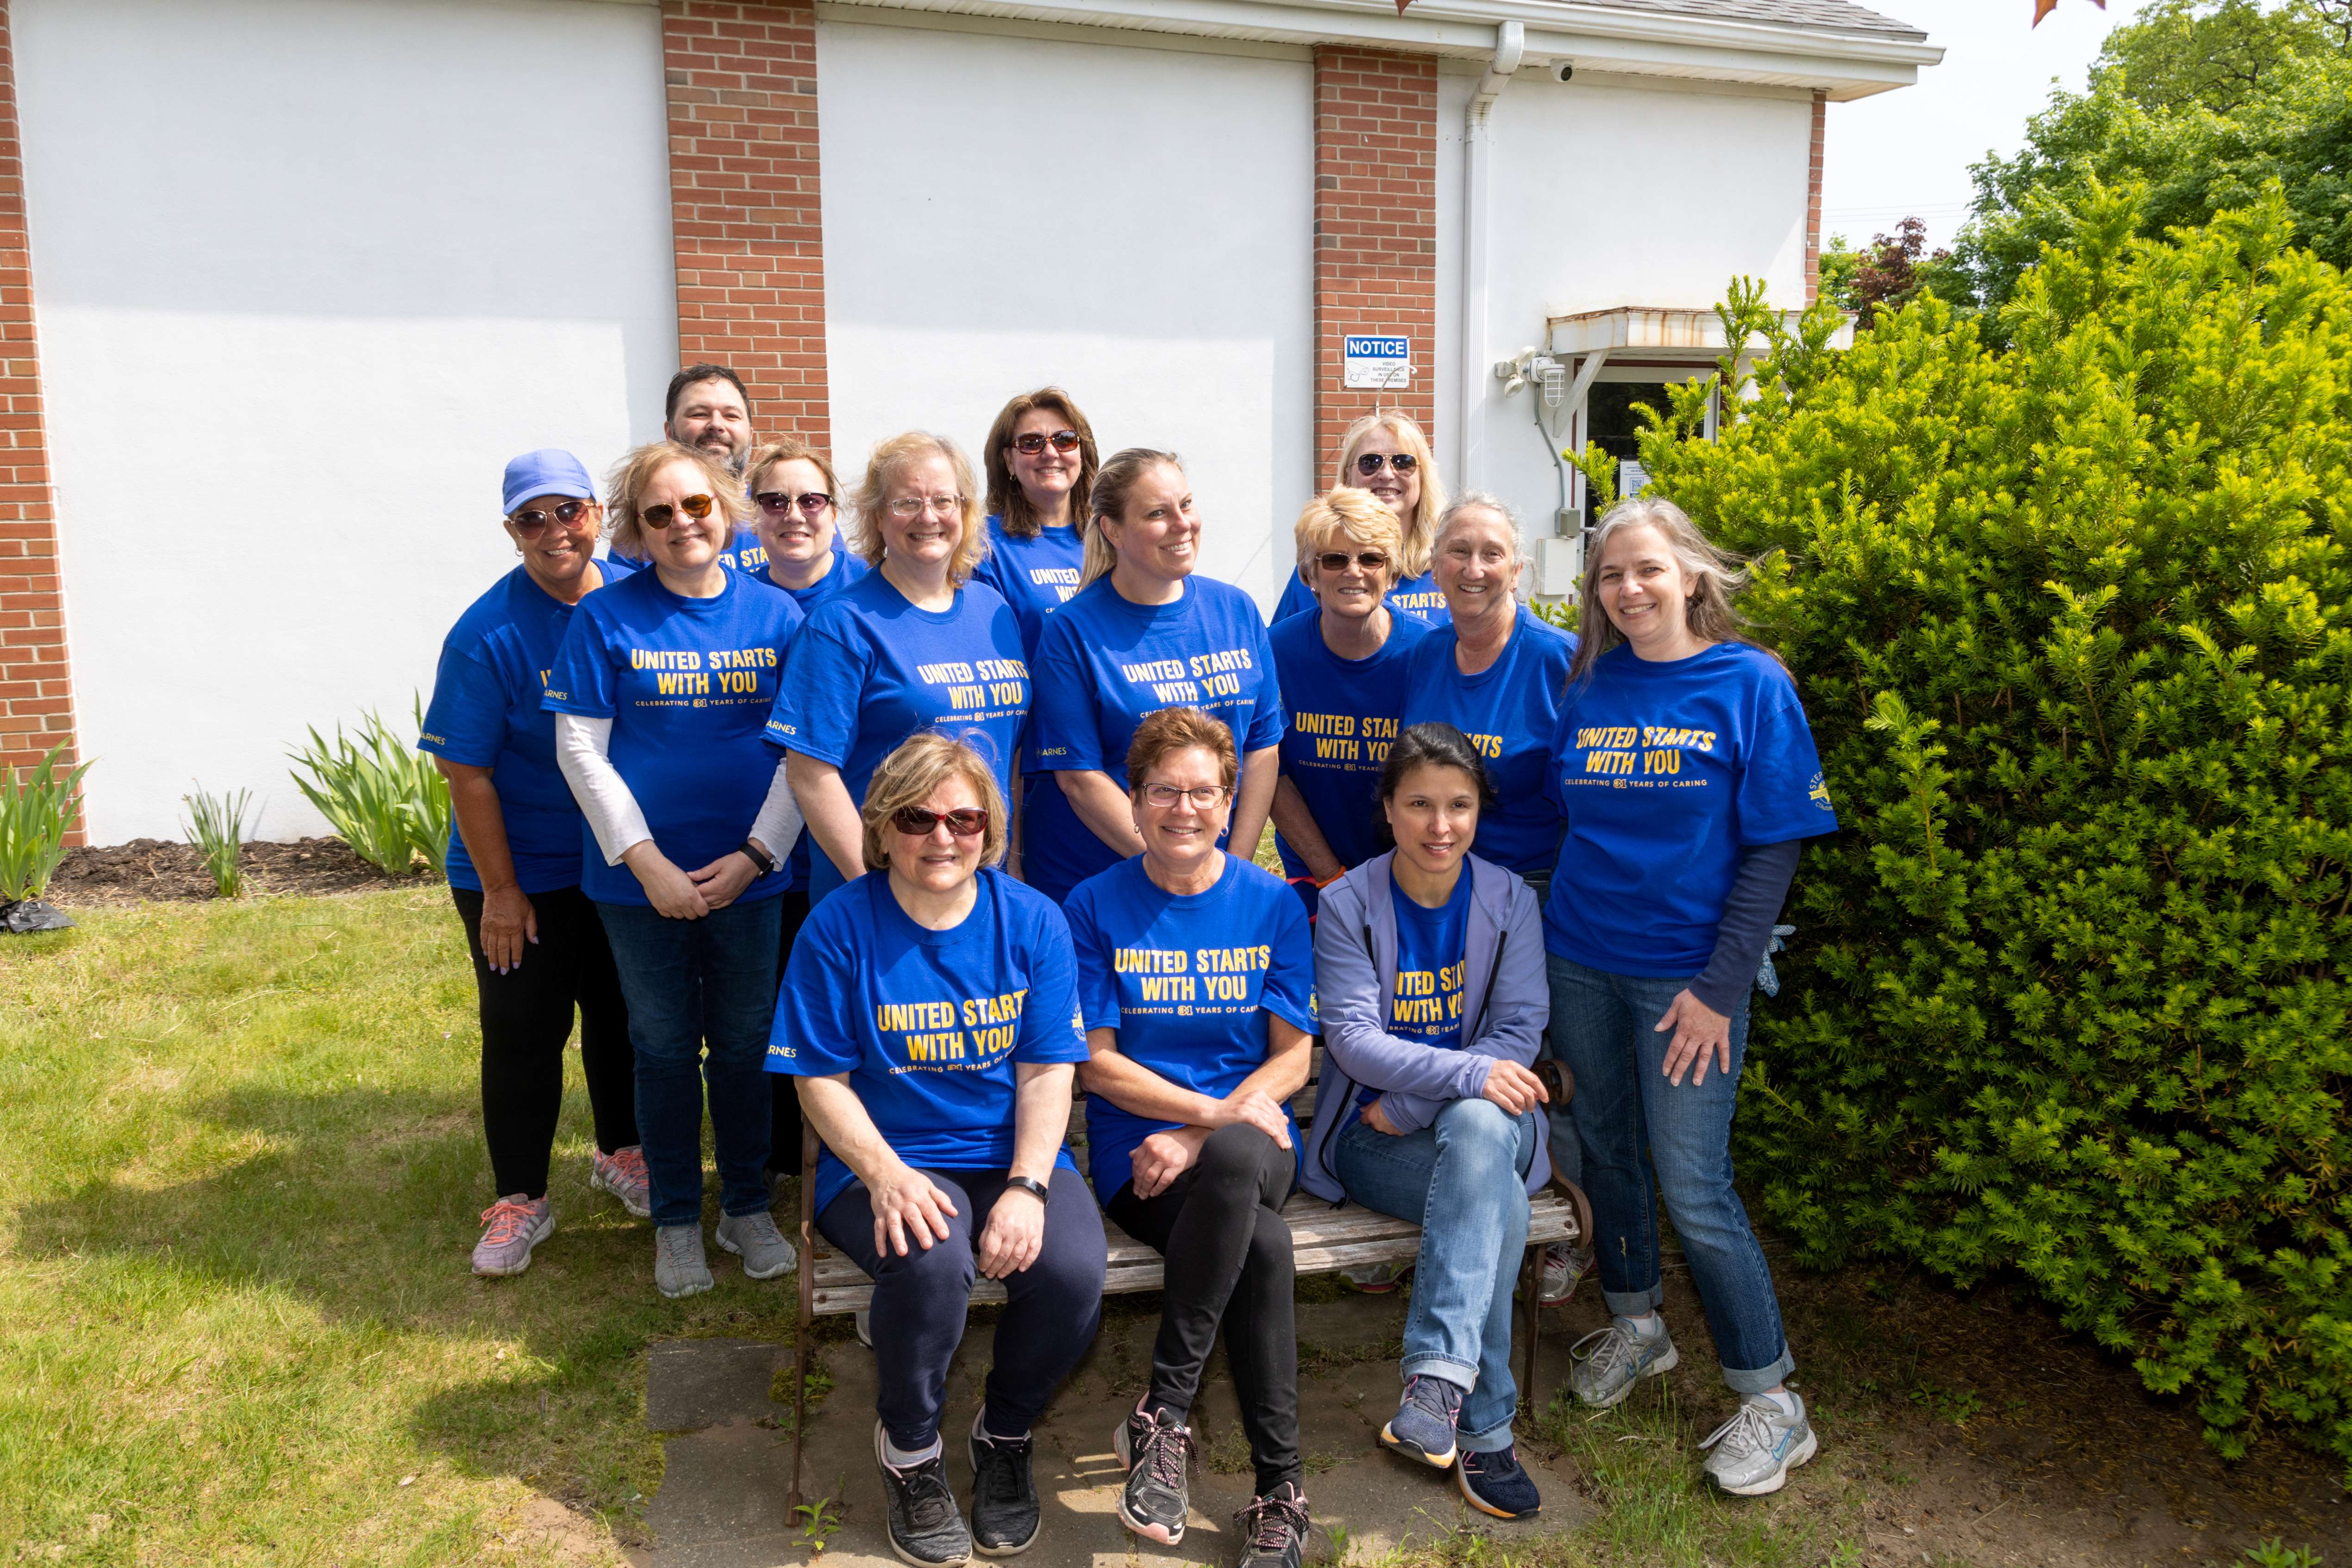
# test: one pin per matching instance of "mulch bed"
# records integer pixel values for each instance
(156, 868)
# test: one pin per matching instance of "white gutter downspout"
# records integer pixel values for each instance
(1510, 44)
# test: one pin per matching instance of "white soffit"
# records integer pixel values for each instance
(1644, 328)
(1845, 63)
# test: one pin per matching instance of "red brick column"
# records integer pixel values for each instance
(1375, 229)
(744, 217)
(36, 689)
(1813, 201)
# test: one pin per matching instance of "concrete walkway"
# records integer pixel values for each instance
(722, 1500)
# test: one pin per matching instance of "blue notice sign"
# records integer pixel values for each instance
(1376, 363)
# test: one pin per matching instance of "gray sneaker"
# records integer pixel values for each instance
(678, 1268)
(1604, 1374)
(1757, 1449)
(511, 1229)
(864, 1323)
(755, 1239)
(926, 1527)
(1564, 1263)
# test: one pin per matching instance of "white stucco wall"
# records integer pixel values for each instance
(308, 272)
(1133, 224)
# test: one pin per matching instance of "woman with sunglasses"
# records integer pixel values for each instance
(1144, 633)
(660, 692)
(1342, 674)
(1386, 454)
(1196, 978)
(930, 1019)
(915, 644)
(1040, 463)
(794, 511)
(538, 948)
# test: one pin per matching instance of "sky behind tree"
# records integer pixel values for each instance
(1907, 153)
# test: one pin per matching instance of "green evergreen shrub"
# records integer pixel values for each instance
(2073, 626)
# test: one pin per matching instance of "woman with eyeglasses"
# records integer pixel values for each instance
(915, 644)
(1144, 633)
(1040, 463)
(930, 1017)
(1196, 978)
(795, 500)
(660, 692)
(1386, 454)
(1342, 673)
(538, 948)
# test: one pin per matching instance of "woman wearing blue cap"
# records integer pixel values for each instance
(539, 950)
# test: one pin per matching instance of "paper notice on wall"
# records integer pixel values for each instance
(1375, 364)
(1630, 478)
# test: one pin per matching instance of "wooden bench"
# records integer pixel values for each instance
(1324, 1237)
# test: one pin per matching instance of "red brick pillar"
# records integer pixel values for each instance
(744, 216)
(1813, 201)
(1375, 230)
(36, 689)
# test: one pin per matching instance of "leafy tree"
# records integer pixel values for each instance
(2178, 54)
(2074, 625)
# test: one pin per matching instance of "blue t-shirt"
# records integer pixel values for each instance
(1506, 710)
(617, 567)
(1036, 576)
(1103, 666)
(1416, 599)
(484, 713)
(845, 570)
(1432, 951)
(688, 684)
(1664, 772)
(1183, 979)
(928, 1024)
(1343, 717)
(870, 669)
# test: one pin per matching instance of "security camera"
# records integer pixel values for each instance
(1564, 71)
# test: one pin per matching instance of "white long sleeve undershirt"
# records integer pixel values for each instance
(583, 751)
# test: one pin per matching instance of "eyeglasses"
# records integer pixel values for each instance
(964, 822)
(1034, 441)
(1165, 796)
(1337, 559)
(1368, 463)
(533, 520)
(776, 504)
(695, 507)
(915, 506)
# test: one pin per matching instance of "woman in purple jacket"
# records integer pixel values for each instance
(1429, 970)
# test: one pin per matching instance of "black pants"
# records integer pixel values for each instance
(526, 1019)
(1220, 1227)
(920, 1301)
(783, 1089)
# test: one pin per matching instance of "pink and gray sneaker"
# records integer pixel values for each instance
(622, 1172)
(511, 1229)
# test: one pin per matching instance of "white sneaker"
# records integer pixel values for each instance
(1604, 1374)
(1376, 1278)
(1564, 1264)
(1757, 1449)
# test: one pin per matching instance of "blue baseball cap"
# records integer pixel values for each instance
(549, 471)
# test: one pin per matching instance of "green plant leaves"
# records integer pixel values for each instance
(384, 799)
(37, 811)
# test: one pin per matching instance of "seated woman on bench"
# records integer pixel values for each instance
(1429, 967)
(930, 1015)
(1196, 974)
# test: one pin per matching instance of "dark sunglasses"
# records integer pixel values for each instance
(776, 504)
(695, 507)
(531, 521)
(1033, 443)
(1368, 463)
(1337, 559)
(964, 822)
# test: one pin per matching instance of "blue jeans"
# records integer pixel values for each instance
(1645, 1136)
(701, 994)
(1464, 1180)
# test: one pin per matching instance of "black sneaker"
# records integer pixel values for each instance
(1273, 1529)
(1498, 1484)
(1004, 1513)
(1154, 1450)
(926, 1529)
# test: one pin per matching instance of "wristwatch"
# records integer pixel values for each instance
(1029, 1184)
(751, 851)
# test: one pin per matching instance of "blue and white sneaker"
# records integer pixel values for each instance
(1604, 1374)
(1423, 1427)
(1757, 1449)
(1498, 1484)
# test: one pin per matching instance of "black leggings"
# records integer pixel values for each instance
(1220, 1227)
(526, 1019)
(783, 1089)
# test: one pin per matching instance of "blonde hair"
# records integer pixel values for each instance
(1006, 499)
(1113, 484)
(925, 760)
(1181, 730)
(1708, 611)
(871, 503)
(630, 477)
(1345, 512)
(1420, 528)
(789, 449)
